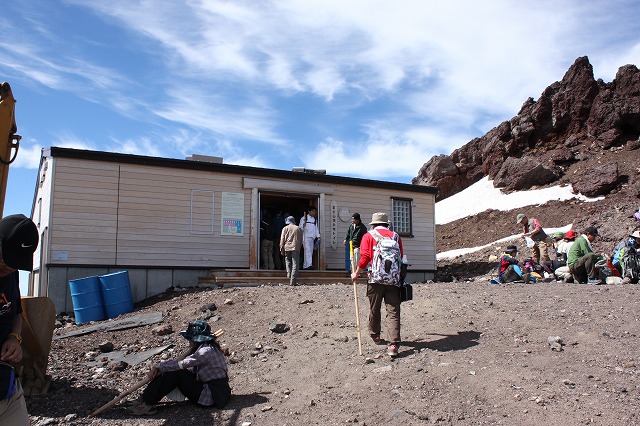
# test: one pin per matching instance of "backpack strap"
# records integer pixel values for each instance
(378, 236)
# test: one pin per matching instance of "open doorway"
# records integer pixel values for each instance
(274, 208)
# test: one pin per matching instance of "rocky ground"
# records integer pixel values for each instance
(473, 353)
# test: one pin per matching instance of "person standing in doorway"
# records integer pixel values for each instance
(267, 235)
(356, 231)
(278, 225)
(290, 243)
(310, 235)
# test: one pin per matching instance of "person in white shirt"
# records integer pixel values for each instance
(310, 232)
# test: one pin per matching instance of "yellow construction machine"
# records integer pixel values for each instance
(38, 313)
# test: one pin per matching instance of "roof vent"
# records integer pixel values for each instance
(204, 158)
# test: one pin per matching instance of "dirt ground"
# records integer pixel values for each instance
(473, 353)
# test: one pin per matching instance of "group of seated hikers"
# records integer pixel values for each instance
(574, 260)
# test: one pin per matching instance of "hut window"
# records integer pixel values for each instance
(401, 217)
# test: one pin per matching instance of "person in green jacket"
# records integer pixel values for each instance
(581, 259)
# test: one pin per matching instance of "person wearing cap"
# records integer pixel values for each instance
(532, 228)
(377, 292)
(310, 235)
(508, 269)
(562, 272)
(624, 251)
(290, 243)
(581, 259)
(18, 241)
(202, 376)
(356, 231)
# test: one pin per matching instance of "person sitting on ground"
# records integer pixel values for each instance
(509, 269)
(532, 228)
(581, 259)
(562, 272)
(625, 248)
(551, 265)
(202, 376)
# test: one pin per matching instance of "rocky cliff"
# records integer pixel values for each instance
(574, 120)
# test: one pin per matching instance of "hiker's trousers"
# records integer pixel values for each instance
(13, 410)
(390, 294)
(585, 268)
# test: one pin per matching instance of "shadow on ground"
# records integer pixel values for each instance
(448, 342)
(462, 271)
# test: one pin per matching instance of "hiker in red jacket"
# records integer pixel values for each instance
(377, 292)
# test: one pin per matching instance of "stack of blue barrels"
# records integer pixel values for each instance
(96, 298)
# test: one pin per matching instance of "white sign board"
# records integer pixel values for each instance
(232, 215)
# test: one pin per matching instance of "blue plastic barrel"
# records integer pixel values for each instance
(116, 292)
(87, 299)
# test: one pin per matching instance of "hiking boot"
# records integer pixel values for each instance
(392, 351)
(377, 340)
(143, 409)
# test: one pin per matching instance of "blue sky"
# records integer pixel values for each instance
(360, 88)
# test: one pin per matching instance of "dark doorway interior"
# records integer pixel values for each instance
(271, 203)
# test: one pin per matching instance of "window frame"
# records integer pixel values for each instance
(394, 220)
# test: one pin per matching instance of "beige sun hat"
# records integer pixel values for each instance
(379, 219)
(636, 234)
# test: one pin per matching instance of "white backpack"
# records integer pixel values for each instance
(385, 262)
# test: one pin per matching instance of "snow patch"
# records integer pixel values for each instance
(482, 196)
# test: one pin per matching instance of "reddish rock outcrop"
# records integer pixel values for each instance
(572, 121)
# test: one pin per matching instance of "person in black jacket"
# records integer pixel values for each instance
(354, 235)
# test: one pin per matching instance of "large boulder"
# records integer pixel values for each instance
(597, 181)
(523, 173)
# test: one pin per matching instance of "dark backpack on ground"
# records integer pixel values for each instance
(630, 266)
(406, 291)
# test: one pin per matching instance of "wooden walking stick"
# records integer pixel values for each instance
(142, 382)
(118, 398)
(355, 297)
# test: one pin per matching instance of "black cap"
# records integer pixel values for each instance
(18, 239)
(511, 249)
(591, 230)
(356, 216)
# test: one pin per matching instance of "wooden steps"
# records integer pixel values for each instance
(257, 277)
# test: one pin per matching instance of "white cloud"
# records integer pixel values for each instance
(141, 146)
(28, 155)
(211, 112)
